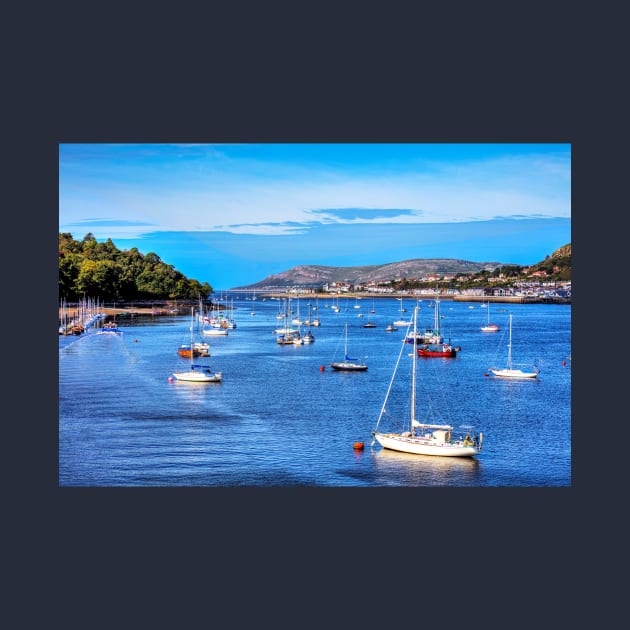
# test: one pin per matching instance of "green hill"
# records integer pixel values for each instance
(88, 267)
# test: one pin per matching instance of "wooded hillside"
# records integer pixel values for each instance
(101, 270)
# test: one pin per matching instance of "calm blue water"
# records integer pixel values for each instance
(278, 420)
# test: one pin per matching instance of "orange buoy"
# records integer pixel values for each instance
(322, 368)
(358, 446)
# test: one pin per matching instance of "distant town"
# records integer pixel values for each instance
(532, 291)
(546, 281)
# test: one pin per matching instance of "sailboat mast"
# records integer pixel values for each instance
(413, 372)
(436, 314)
(192, 317)
(510, 345)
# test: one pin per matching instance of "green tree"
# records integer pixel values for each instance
(69, 267)
(99, 278)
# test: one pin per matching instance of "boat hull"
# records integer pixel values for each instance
(349, 367)
(215, 332)
(198, 377)
(287, 339)
(439, 351)
(422, 446)
(202, 348)
(519, 374)
(187, 353)
(417, 339)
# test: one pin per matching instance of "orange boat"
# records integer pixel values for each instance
(187, 352)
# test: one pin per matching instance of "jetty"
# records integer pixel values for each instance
(76, 319)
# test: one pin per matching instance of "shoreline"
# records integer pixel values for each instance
(170, 309)
(509, 299)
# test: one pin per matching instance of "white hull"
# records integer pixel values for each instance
(509, 371)
(198, 373)
(490, 328)
(423, 446)
(285, 331)
(514, 374)
(215, 331)
(431, 337)
(436, 439)
(202, 348)
(198, 377)
(348, 364)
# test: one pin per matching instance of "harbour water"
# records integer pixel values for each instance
(283, 417)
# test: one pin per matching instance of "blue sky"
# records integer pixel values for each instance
(232, 214)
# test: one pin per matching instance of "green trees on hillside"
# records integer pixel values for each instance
(88, 267)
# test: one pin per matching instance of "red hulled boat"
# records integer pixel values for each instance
(437, 350)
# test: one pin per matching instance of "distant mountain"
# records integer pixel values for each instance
(318, 275)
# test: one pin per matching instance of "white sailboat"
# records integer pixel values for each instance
(510, 371)
(286, 334)
(296, 320)
(488, 327)
(434, 335)
(215, 325)
(424, 438)
(197, 373)
(214, 331)
(348, 364)
(402, 321)
(315, 321)
(308, 337)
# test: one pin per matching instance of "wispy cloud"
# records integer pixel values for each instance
(195, 187)
(292, 192)
(268, 229)
(363, 214)
(112, 223)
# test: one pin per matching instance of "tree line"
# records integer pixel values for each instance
(101, 270)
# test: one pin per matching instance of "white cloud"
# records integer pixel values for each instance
(210, 192)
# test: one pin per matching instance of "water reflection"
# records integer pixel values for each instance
(394, 468)
(191, 393)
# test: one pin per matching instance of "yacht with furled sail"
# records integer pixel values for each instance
(510, 371)
(424, 438)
